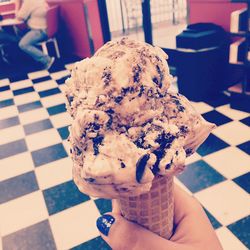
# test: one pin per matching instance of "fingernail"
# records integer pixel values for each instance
(104, 223)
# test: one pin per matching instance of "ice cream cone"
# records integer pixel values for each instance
(128, 129)
(153, 210)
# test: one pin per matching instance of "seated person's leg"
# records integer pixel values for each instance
(28, 42)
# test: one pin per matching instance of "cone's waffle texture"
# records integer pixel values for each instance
(153, 210)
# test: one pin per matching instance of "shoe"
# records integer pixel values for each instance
(4, 56)
(50, 63)
(6, 60)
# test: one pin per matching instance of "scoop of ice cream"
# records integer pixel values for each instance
(193, 128)
(125, 77)
(126, 127)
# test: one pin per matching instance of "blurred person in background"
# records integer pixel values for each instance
(33, 14)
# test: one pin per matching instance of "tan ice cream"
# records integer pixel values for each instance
(127, 129)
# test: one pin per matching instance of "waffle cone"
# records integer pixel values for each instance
(153, 210)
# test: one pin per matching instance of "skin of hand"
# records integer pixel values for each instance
(18, 4)
(193, 230)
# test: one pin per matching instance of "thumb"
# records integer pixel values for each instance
(120, 233)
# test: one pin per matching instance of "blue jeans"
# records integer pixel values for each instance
(28, 45)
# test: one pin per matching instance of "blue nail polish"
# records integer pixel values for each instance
(104, 223)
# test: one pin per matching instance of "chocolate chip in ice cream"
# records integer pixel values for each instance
(123, 165)
(168, 166)
(140, 141)
(140, 166)
(136, 73)
(165, 140)
(155, 80)
(178, 104)
(110, 121)
(183, 129)
(110, 111)
(118, 99)
(127, 90)
(189, 151)
(96, 126)
(96, 143)
(159, 71)
(89, 179)
(159, 153)
(159, 95)
(77, 150)
(142, 88)
(107, 76)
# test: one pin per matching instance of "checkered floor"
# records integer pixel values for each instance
(41, 208)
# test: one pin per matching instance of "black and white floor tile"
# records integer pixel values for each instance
(41, 208)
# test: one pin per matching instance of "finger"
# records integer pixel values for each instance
(115, 207)
(184, 204)
(119, 233)
(190, 217)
